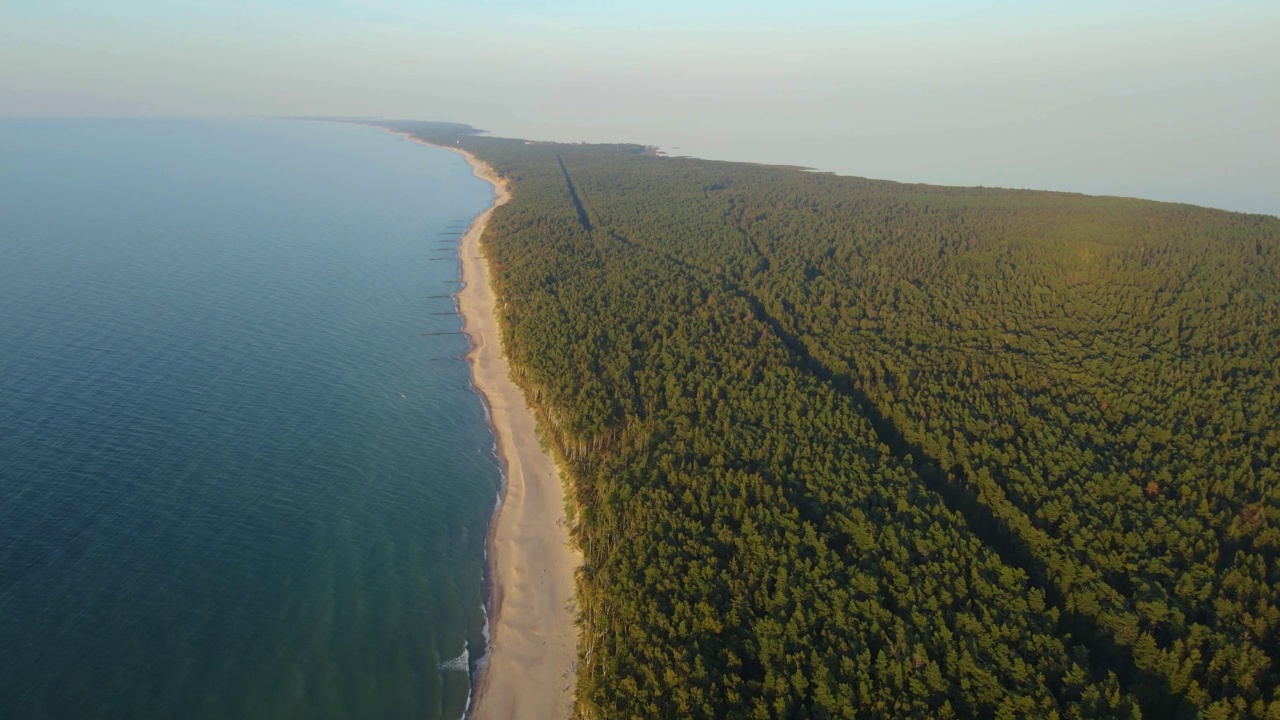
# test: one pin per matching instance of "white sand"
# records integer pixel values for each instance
(533, 648)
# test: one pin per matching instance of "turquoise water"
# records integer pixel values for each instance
(237, 480)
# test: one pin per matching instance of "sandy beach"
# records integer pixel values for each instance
(533, 638)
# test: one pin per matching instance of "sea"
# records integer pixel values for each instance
(243, 471)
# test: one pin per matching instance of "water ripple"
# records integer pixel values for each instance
(235, 481)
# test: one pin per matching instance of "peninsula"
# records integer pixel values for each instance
(841, 447)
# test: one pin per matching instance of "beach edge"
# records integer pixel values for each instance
(530, 664)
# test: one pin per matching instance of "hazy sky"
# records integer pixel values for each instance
(1171, 100)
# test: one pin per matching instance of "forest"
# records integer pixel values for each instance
(840, 447)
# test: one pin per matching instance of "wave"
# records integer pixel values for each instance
(462, 663)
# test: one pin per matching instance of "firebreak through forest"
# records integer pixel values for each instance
(839, 447)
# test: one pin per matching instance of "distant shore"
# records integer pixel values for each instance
(530, 670)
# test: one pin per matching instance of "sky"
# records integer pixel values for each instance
(1174, 100)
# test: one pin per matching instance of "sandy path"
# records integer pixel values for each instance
(533, 638)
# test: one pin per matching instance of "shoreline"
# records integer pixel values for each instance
(531, 661)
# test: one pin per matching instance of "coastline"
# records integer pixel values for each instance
(532, 653)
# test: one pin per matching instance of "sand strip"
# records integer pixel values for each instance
(533, 638)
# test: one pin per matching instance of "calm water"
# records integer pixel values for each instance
(236, 478)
